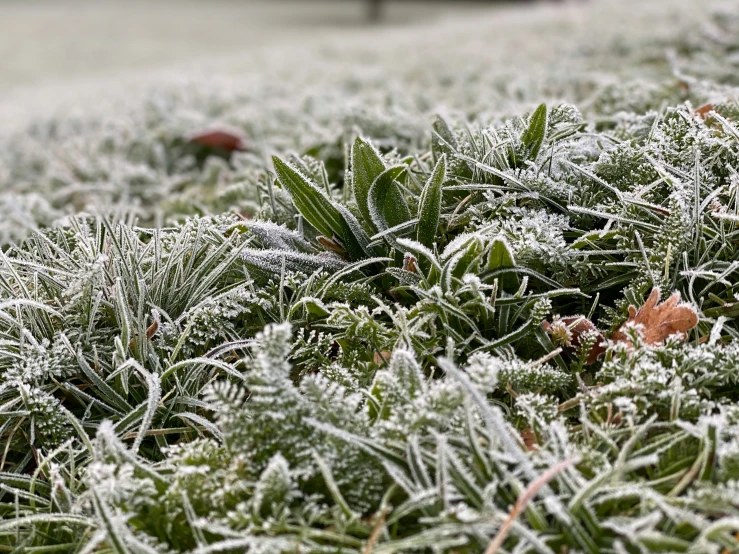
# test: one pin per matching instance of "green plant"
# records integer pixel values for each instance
(351, 357)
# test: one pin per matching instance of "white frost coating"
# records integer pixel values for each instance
(273, 261)
(276, 237)
(222, 450)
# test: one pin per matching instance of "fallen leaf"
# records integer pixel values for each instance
(152, 329)
(571, 330)
(332, 244)
(529, 439)
(659, 321)
(381, 358)
(409, 262)
(218, 138)
(704, 110)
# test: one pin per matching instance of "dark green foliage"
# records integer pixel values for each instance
(429, 208)
(535, 133)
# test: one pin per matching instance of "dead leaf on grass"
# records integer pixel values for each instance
(218, 138)
(659, 321)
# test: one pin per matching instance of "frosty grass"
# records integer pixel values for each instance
(339, 349)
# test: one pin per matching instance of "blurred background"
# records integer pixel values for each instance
(99, 98)
(44, 41)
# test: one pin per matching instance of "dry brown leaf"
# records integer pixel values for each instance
(331, 244)
(409, 262)
(569, 332)
(704, 110)
(530, 492)
(381, 358)
(377, 527)
(529, 439)
(659, 321)
(152, 329)
(218, 138)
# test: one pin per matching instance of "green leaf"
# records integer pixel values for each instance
(367, 165)
(407, 278)
(386, 204)
(112, 531)
(429, 209)
(313, 305)
(270, 262)
(534, 136)
(313, 203)
(468, 261)
(501, 257)
(442, 141)
(328, 217)
(356, 240)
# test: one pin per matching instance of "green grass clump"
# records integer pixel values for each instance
(341, 349)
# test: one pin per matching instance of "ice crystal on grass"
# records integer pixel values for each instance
(40, 362)
(521, 376)
(274, 419)
(204, 351)
(48, 425)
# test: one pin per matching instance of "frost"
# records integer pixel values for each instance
(186, 366)
(275, 262)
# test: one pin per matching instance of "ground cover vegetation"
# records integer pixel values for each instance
(402, 332)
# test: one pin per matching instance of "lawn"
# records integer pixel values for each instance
(462, 282)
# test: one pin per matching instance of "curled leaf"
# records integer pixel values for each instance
(500, 256)
(152, 329)
(385, 201)
(410, 263)
(443, 141)
(574, 332)
(367, 165)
